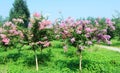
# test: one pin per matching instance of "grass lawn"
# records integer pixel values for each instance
(54, 60)
(115, 43)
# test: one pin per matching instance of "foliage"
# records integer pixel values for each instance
(2, 20)
(20, 10)
(10, 34)
(95, 60)
(82, 33)
(38, 32)
(116, 19)
(35, 36)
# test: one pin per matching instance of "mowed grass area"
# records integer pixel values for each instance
(55, 60)
(115, 43)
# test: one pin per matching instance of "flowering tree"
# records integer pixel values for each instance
(36, 33)
(81, 33)
(36, 36)
(8, 31)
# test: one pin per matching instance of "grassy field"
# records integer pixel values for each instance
(54, 60)
(115, 43)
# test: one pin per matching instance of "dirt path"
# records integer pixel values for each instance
(110, 48)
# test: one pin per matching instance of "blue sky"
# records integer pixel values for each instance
(73, 8)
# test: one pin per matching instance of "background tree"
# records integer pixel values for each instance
(3, 20)
(116, 19)
(20, 10)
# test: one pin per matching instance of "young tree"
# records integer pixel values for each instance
(20, 10)
(81, 33)
(37, 38)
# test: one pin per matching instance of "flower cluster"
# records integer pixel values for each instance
(81, 33)
(8, 31)
(5, 39)
(18, 20)
(37, 26)
(43, 24)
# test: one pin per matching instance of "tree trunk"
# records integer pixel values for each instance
(36, 60)
(80, 63)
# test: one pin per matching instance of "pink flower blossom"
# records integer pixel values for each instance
(65, 32)
(77, 23)
(11, 31)
(7, 24)
(3, 36)
(89, 42)
(78, 31)
(14, 32)
(21, 34)
(72, 40)
(36, 15)
(29, 25)
(87, 35)
(112, 27)
(87, 21)
(79, 28)
(62, 25)
(88, 30)
(6, 41)
(69, 20)
(13, 27)
(108, 21)
(104, 30)
(18, 20)
(106, 37)
(93, 30)
(40, 42)
(43, 24)
(96, 22)
(46, 44)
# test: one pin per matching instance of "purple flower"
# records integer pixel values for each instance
(72, 40)
(112, 27)
(78, 31)
(89, 42)
(104, 30)
(88, 30)
(87, 35)
(96, 22)
(106, 37)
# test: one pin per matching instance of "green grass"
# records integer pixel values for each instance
(55, 60)
(115, 43)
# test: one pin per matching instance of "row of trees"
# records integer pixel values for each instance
(79, 33)
(20, 10)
